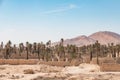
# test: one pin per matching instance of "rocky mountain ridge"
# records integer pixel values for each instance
(103, 37)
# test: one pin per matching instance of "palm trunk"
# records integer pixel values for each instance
(97, 59)
(27, 54)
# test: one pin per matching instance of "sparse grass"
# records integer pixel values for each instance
(29, 71)
(48, 78)
(2, 68)
(2, 76)
(73, 78)
(14, 77)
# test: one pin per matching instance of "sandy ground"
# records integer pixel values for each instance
(45, 72)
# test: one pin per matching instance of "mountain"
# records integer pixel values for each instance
(79, 41)
(103, 37)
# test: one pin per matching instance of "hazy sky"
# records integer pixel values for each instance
(41, 20)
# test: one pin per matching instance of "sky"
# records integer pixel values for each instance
(43, 20)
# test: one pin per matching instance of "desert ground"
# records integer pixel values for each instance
(45, 72)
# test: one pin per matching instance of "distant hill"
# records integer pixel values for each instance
(79, 41)
(104, 37)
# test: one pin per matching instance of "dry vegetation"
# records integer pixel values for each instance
(29, 71)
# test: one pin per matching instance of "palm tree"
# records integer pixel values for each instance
(97, 45)
(38, 50)
(62, 41)
(112, 49)
(21, 48)
(8, 49)
(27, 50)
(72, 51)
(6, 52)
(118, 49)
(14, 49)
(57, 52)
(9, 43)
(43, 50)
(66, 53)
(34, 49)
(48, 44)
(90, 49)
(1, 47)
(51, 54)
(30, 48)
(61, 49)
(47, 53)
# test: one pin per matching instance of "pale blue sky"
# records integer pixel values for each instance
(41, 20)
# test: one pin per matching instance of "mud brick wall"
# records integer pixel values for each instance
(18, 61)
(36, 61)
(110, 67)
(55, 63)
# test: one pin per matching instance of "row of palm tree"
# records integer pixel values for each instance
(59, 52)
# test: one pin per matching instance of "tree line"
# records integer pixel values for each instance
(59, 52)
